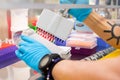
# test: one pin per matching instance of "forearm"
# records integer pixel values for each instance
(87, 70)
(104, 28)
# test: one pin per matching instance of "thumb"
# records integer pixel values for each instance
(18, 54)
(27, 39)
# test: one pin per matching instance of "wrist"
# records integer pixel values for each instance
(106, 29)
(47, 64)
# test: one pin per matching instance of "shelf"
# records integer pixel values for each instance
(50, 6)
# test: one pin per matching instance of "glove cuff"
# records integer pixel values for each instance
(78, 13)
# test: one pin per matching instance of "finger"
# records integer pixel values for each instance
(18, 54)
(24, 44)
(23, 49)
(27, 39)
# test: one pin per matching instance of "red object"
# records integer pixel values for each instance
(35, 72)
(9, 24)
(4, 45)
(34, 23)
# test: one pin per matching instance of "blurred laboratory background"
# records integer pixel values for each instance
(16, 15)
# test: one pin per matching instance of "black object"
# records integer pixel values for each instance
(47, 63)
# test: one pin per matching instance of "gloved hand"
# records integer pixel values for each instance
(31, 52)
(79, 13)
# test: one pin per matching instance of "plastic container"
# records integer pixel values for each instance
(16, 37)
(20, 71)
(17, 71)
(86, 35)
(7, 56)
(80, 53)
(19, 19)
(32, 34)
(81, 39)
(82, 43)
(4, 74)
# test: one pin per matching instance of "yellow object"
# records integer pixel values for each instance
(112, 54)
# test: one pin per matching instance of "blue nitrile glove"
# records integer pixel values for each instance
(31, 52)
(79, 13)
